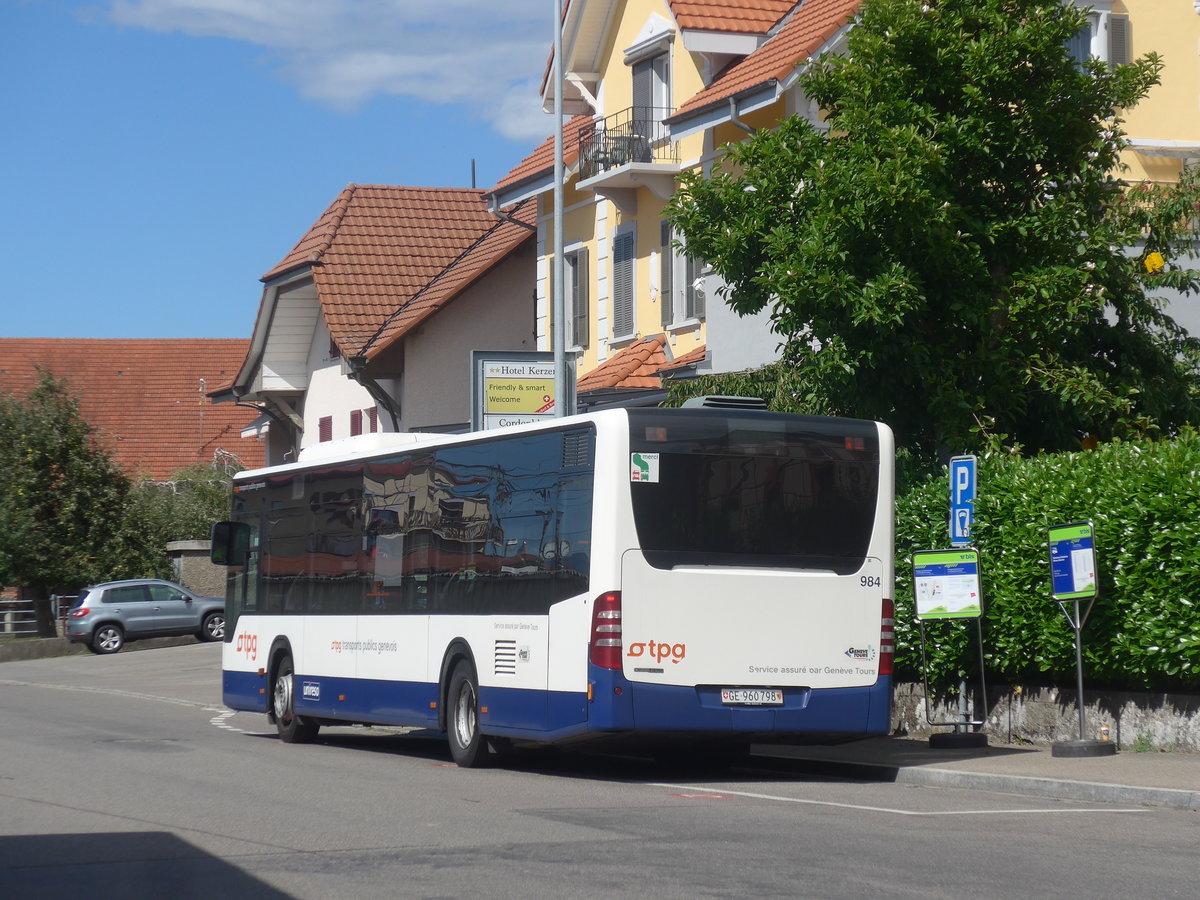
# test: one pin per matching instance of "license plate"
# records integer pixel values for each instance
(752, 696)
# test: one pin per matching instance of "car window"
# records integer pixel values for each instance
(131, 594)
(161, 593)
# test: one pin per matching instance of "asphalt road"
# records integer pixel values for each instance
(125, 777)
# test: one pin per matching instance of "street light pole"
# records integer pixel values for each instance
(559, 332)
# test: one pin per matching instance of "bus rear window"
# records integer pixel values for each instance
(753, 489)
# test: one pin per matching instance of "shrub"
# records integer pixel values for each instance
(1144, 630)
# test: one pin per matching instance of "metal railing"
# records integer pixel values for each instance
(634, 135)
(18, 618)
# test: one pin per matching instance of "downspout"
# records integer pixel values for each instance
(733, 117)
(272, 414)
(494, 209)
(358, 365)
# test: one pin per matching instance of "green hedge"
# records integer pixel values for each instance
(1144, 631)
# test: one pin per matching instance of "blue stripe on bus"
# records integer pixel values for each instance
(617, 705)
(244, 690)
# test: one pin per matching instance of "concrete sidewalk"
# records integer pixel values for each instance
(1153, 779)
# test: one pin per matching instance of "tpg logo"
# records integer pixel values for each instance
(658, 651)
(248, 644)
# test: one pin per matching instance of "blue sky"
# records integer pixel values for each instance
(160, 155)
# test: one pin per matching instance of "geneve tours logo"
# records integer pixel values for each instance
(862, 655)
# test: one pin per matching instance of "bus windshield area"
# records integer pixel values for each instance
(753, 489)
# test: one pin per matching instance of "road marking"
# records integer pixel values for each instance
(887, 809)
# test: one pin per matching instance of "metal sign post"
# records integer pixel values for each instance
(1072, 581)
(946, 586)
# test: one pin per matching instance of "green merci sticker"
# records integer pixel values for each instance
(643, 468)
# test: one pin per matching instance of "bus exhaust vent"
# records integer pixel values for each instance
(577, 449)
(505, 658)
(718, 402)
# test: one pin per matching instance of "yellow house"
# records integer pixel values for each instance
(1164, 129)
(637, 304)
(654, 87)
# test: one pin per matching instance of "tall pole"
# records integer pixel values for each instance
(559, 332)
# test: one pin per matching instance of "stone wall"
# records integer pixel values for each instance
(1045, 715)
(194, 570)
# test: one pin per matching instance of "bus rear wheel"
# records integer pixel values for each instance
(293, 729)
(468, 747)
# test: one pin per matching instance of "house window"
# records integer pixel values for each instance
(1113, 46)
(623, 325)
(356, 422)
(576, 290)
(651, 96)
(325, 428)
(680, 281)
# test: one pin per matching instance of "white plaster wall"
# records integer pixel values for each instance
(330, 393)
(496, 313)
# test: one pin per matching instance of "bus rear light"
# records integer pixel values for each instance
(606, 631)
(887, 638)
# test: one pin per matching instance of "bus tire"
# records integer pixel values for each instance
(468, 747)
(293, 729)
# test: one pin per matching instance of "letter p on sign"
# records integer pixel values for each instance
(962, 499)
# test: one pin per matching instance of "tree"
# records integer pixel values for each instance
(180, 509)
(62, 497)
(949, 254)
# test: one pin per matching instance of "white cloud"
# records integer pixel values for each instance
(486, 56)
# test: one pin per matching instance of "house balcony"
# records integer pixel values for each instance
(626, 151)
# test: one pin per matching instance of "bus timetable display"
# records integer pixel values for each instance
(1073, 561)
(946, 584)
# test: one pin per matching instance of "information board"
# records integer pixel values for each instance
(1073, 561)
(946, 584)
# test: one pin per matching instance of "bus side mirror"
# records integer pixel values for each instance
(230, 543)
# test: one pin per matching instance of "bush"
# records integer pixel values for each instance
(1144, 630)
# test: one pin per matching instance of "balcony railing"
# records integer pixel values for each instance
(634, 135)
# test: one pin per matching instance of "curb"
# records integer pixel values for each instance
(1054, 788)
(16, 649)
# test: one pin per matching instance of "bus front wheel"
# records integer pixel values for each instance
(292, 728)
(468, 747)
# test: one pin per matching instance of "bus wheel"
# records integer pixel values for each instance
(468, 747)
(292, 728)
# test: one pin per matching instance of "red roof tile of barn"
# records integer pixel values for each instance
(145, 397)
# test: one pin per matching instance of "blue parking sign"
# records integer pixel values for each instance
(962, 499)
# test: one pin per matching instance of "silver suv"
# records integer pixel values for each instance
(107, 615)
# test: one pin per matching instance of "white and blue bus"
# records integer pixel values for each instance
(699, 576)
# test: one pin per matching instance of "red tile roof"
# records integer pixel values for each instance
(146, 397)
(640, 365)
(377, 247)
(491, 249)
(811, 25)
(541, 160)
(740, 16)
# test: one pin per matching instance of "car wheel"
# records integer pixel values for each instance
(293, 729)
(107, 638)
(213, 627)
(468, 747)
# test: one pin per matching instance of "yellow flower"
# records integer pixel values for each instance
(1154, 262)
